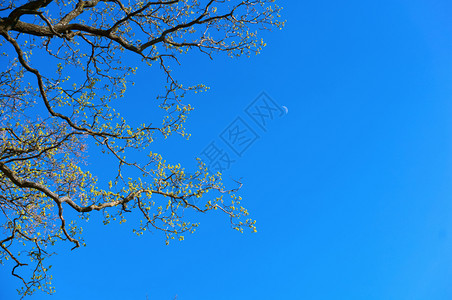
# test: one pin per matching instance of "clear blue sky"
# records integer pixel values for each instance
(351, 190)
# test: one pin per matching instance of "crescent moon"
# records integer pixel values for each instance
(286, 110)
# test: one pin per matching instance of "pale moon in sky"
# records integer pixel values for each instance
(286, 109)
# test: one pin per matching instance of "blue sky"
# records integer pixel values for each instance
(351, 189)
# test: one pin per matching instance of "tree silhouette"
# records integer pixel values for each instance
(63, 71)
